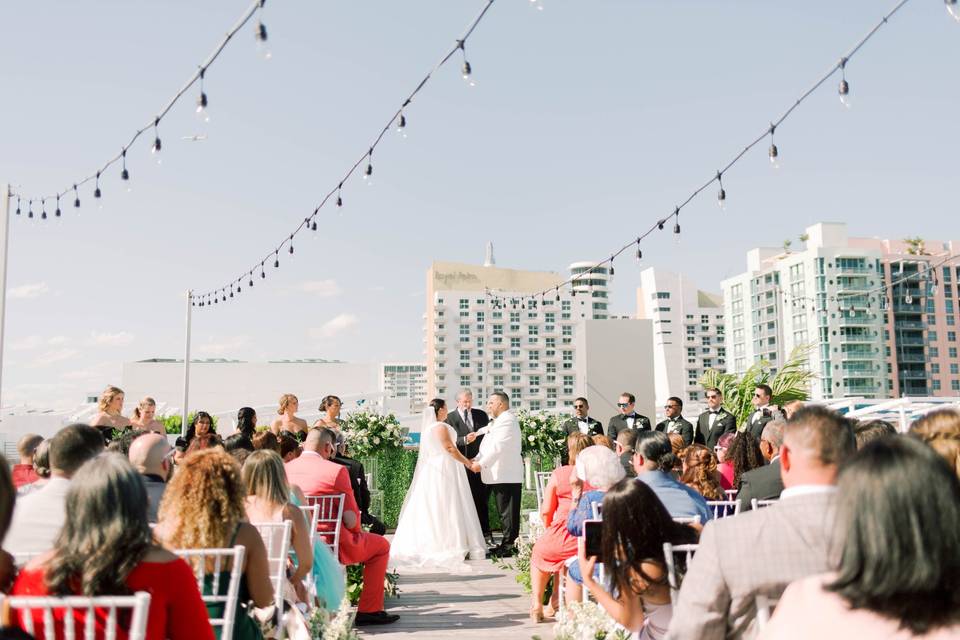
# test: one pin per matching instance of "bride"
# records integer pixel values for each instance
(438, 526)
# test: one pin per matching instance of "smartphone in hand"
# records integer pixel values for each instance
(592, 537)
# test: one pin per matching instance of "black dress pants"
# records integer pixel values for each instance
(508, 504)
(481, 500)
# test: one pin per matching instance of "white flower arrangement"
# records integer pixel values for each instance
(339, 626)
(587, 621)
(369, 432)
(543, 434)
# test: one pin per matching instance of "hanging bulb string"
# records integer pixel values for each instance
(767, 133)
(150, 126)
(365, 160)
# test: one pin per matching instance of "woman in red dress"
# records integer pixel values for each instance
(555, 544)
(106, 548)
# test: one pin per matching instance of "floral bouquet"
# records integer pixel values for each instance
(587, 621)
(543, 435)
(368, 433)
(338, 626)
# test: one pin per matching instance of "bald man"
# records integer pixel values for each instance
(150, 455)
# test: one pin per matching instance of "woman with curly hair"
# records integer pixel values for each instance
(700, 472)
(941, 430)
(745, 454)
(203, 508)
(110, 406)
(106, 548)
(201, 425)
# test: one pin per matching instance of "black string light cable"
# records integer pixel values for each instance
(152, 126)
(773, 153)
(363, 165)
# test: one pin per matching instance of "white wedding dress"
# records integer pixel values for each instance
(438, 527)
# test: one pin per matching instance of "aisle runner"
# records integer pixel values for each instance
(485, 604)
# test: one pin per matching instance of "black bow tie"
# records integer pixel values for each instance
(715, 412)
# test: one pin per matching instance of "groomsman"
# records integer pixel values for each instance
(465, 419)
(676, 423)
(580, 422)
(627, 418)
(763, 411)
(715, 421)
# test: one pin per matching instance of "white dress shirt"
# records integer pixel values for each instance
(38, 518)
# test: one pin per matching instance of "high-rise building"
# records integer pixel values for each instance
(523, 347)
(881, 314)
(688, 333)
(822, 296)
(406, 381)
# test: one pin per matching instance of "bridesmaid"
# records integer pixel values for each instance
(330, 414)
(286, 419)
(111, 404)
(143, 417)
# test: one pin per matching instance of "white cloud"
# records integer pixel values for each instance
(81, 374)
(32, 290)
(57, 355)
(26, 344)
(57, 341)
(222, 346)
(332, 327)
(317, 288)
(119, 339)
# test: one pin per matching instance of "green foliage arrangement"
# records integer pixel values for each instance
(368, 433)
(791, 382)
(394, 475)
(542, 434)
(173, 424)
(355, 583)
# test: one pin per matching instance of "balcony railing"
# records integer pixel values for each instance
(908, 324)
(909, 357)
(856, 338)
(859, 321)
(854, 269)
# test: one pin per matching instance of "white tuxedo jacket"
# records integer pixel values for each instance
(499, 458)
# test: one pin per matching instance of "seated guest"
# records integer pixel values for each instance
(676, 423)
(23, 473)
(555, 544)
(625, 443)
(247, 423)
(761, 552)
(895, 576)
(204, 441)
(203, 508)
(238, 441)
(39, 516)
(597, 469)
(266, 440)
(700, 472)
(289, 446)
(316, 474)
(941, 430)
(653, 461)
(724, 463)
(790, 408)
(143, 417)
(745, 454)
(110, 407)
(867, 432)
(330, 414)
(121, 444)
(358, 481)
(201, 425)
(635, 527)
(287, 419)
(603, 440)
(41, 466)
(106, 548)
(268, 500)
(764, 483)
(676, 445)
(151, 456)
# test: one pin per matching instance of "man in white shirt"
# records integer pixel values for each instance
(761, 552)
(39, 516)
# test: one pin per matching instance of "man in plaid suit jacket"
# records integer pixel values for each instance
(762, 551)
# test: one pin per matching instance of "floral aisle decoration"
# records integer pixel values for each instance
(368, 433)
(355, 583)
(520, 564)
(335, 626)
(543, 435)
(587, 621)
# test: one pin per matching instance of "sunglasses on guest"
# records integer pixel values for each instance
(581, 406)
(623, 404)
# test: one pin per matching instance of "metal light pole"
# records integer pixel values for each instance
(186, 366)
(4, 244)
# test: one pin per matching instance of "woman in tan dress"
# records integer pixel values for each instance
(143, 417)
(286, 419)
(111, 404)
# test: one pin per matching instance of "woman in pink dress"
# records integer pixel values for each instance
(555, 544)
(725, 465)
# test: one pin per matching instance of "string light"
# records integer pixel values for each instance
(157, 145)
(397, 118)
(773, 151)
(43, 209)
(202, 101)
(721, 195)
(466, 70)
(676, 225)
(96, 191)
(260, 34)
(248, 15)
(18, 206)
(844, 89)
(57, 212)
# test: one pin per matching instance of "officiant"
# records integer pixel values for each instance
(465, 419)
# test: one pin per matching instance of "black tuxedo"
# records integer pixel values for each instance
(358, 481)
(572, 425)
(618, 423)
(479, 490)
(725, 422)
(763, 483)
(756, 423)
(682, 426)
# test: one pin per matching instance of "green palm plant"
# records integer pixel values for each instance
(791, 382)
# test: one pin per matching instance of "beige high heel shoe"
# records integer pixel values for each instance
(536, 615)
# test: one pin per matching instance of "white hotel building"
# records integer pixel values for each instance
(688, 333)
(789, 298)
(530, 351)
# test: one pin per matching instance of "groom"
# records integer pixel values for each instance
(501, 468)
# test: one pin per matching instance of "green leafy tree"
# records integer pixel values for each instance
(791, 382)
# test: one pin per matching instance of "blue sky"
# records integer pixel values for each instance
(590, 120)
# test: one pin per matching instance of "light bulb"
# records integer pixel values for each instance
(774, 156)
(844, 92)
(908, 299)
(953, 8)
(676, 232)
(466, 71)
(202, 112)
(262, 47)
(156, 148)
(722, 199)
(402, 125)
